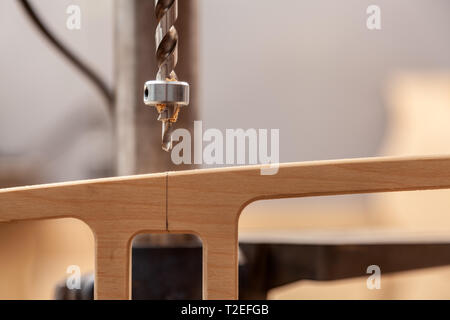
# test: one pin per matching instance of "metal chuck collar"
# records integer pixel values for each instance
(167, 97)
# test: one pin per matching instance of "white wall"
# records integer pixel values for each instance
(309, 68)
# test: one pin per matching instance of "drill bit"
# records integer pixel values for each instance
(166, 93)
(166, 38)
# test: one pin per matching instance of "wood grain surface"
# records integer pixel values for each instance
(209, 202)
(115, 209)
(203, 202)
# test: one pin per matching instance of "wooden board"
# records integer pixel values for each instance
(209, 202)
(115, 209)
(203, 202)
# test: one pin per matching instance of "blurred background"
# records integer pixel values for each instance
(309, 68)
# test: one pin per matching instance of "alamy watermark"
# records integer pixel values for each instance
(236, 146)
(374, 281)
(374, 19)
(73, 281)
(73, 21)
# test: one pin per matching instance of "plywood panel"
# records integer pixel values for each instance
(209, 202)
(115, 209)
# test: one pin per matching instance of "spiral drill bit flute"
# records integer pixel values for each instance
(166, 93)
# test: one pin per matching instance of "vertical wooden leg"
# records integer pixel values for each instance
(112, 269)
(220, 266)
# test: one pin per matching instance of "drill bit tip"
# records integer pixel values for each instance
(167, 129)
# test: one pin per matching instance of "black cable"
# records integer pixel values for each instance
(80, 65)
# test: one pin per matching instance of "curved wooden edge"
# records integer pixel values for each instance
(209, 202)
(204, 202)
(115, 209)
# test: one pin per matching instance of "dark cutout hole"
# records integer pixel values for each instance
(336, 238)
(166, 267)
